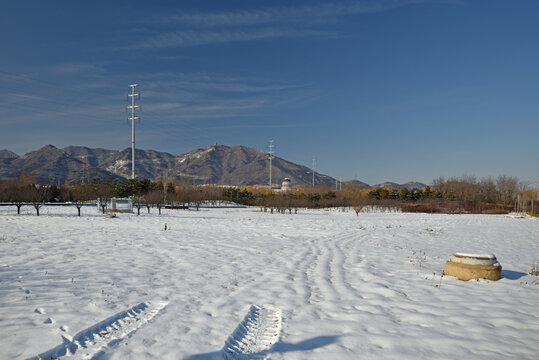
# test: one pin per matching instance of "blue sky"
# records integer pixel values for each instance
(376, 90)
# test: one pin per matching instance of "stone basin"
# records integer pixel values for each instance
(466, 266)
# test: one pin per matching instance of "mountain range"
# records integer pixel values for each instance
(217, 164)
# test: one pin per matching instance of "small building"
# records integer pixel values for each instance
(286, 185)
(124, 205)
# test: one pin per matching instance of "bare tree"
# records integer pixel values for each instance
(488, 190)
(155, 198)
(138, 202)
(14, 193)
(146, 201)
(103, 203)
(102, 190)
(507, 188)
(193, 195)
(81, 194)
(37, 196)
(358, 204)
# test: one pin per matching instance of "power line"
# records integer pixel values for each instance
(133, 107)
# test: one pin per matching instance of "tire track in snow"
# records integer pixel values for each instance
(373, 292)
(343, 267)
(90, 342)
(311, 275)
(338, 274)
(328, 278)
(303, 270)
(255, 335)
(326, 274)
(296, 267)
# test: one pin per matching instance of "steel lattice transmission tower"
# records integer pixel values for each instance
(271, 157)
(314, 168)
(133, 117)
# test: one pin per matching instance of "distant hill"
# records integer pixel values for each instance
(6, 154)
(355, 184)
(414, 185)
(217, 164)
(50, 165)
(409, 185)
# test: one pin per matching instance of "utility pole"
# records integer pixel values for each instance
(314, 168)
(270, 154)
(133, 95)
(165, 182)
(338, 183)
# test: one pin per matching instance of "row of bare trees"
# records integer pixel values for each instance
(503, 189)
(144, 193)
(451, 195)
(23, 194)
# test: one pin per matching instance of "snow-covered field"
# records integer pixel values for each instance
(316, 285)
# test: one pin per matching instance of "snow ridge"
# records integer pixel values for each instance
(89, 342)
(255, 335)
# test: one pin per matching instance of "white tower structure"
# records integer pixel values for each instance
(286, 185)
(314, 168)
(133, 117)
(270, 154)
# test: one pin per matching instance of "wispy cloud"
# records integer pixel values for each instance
(198, 96)
(71, 68)
(314, 14)
(221, 84)
(203, 28)
(29, 97)
(204, 37)
(211, 108)
(187, 105)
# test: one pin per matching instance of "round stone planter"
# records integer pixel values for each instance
(473, 266)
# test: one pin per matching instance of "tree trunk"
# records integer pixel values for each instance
(18, 208)
(37, 209)
(159, 208)
(148, 209)
(78, 209)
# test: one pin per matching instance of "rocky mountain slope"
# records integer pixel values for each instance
(217, 164)
(50, 165)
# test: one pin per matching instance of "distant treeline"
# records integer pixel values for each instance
(454, 195)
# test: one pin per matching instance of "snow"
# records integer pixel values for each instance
(118, 164)
(478, 256)
(474, 259)
(317, 285)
